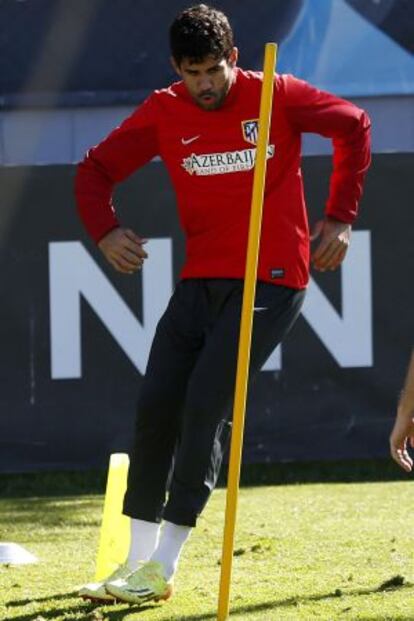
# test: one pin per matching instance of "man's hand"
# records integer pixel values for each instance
(123, 249)
(402, 435)
(333, 245)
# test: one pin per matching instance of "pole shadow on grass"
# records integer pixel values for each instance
(119, 615)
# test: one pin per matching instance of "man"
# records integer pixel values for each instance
(402, 434)
(205, 129)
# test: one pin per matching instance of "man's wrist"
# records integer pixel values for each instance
(102, 237)
(336, 219)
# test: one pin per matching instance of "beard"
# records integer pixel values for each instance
(212, 99)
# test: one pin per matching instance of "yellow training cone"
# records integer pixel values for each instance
(115, 529)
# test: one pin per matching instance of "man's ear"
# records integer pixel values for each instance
(175, 66)
(234, 55)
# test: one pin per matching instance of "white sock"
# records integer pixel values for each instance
(144, 540)
(171, 543)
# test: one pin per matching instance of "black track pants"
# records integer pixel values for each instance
(187, 393)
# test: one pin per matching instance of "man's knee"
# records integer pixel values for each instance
(208, 406)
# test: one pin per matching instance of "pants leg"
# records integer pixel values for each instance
(178, 340)
(209, 396)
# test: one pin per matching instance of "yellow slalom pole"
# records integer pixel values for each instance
(243, 359)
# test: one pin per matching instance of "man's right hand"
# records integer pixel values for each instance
(123, 249)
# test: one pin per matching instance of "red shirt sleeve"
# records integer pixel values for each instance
(310, 110)
(127, 148)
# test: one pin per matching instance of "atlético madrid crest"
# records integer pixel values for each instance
(250, 130)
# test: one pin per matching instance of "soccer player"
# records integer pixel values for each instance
(402, 434)
(204, 127)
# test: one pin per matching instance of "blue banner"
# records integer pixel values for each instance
(352, 47)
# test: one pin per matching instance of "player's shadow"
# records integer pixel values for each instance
(293, 602)
(79, 607)
(117, 614)
(76, 610)
(47, 598)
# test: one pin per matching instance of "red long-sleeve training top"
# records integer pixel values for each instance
(210, 155)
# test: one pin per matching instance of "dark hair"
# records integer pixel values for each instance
(200, 31)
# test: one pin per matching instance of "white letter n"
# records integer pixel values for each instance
(73, 273)
(347, 336)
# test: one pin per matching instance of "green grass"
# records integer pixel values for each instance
(304, 551)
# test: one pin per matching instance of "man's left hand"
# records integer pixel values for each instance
(333, 245)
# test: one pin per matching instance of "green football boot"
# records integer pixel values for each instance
(97, 592)
(145, 584)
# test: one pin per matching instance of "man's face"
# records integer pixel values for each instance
(208, 82)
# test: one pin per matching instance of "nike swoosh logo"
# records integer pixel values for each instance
(260, 308)
(189, 140)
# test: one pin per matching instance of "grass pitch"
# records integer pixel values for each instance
(303, 551)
